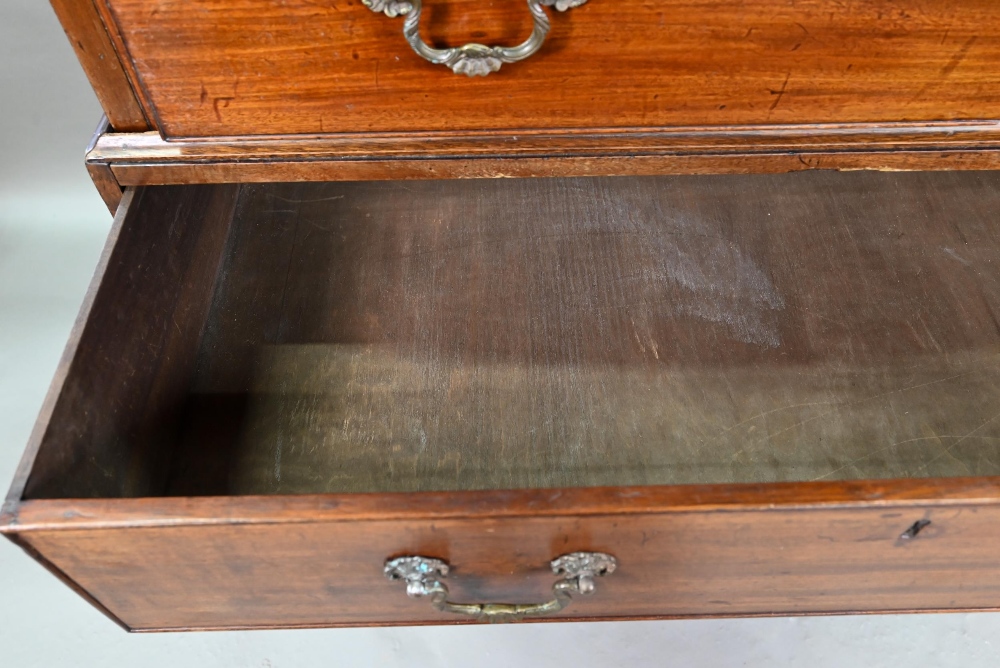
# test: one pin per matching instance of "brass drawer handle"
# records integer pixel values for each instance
(424, 576)
(471, 59)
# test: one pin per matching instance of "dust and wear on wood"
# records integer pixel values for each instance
(526, 333)
(386, 337)
(139, 159)
(464, 335)
(100, 171)
(116, 405)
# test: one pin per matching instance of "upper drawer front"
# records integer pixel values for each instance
(251, 67)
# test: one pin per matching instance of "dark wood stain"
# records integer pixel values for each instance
(498, 334)
(129, 367)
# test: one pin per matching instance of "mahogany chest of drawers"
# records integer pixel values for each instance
(656, 309)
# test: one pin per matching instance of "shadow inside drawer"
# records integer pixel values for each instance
(496, 334)
(553, 333)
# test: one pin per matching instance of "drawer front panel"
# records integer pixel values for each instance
(669, 564)
(250, 67)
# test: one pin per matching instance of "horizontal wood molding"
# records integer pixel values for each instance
(57, 514)
(147, 159)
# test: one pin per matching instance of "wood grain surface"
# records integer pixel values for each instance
(251, 67)
(100, 172)
(107, 185)
(127, 369)
(675, 564)
(315, 560)
(65, 367)
(102, 63)
(146, 159)
(554, 333)
(837, 309)
(542, 333)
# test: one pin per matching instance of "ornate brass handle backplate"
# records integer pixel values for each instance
(471, 59)
(424, 577)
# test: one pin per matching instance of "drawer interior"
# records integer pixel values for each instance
(503, 334)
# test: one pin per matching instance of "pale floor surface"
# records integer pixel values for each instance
(52, 227)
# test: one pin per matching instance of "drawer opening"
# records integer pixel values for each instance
(505, 334)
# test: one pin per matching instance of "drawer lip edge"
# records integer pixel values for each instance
(147, 159)
(142, 147)
(570, 618)
(81, 514)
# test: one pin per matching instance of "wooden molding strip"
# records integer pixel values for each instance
(147, 159)
(102, 176)
(50, 514)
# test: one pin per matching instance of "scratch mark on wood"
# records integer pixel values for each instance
(220, 102)
(952, 253)
(779, 93)
(891, 446)
(914, 529)
(845, 404)
(294, 200)
(958, 57)
(948, 450)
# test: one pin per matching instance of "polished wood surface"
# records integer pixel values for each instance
(102, 64)
(140, 159)
(201, 287)
(327, 573)
(645, 358)
(250, 67)
(167, 511)
(315, 560)
(100, 172)
(107, 185)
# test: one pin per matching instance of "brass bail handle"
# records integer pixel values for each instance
(425, 576)
(472, 59)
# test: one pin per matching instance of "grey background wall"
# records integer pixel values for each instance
(52, 227)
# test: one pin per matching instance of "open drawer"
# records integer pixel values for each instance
(773, 394)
